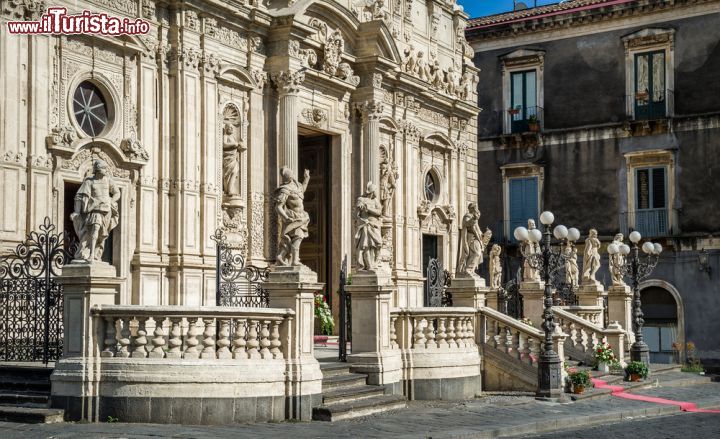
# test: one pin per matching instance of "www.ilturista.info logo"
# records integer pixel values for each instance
(56, 22)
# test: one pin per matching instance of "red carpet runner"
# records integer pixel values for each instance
(619, 391)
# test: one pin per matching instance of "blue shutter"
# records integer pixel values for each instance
(530, 201)
(523, 202)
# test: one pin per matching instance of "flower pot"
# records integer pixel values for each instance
(534, 127)
(578, 389)
(604, 367)
(320, 339)
(635, 377)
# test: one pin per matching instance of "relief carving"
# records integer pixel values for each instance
(315, 116)
(132, 148)
(61, 137)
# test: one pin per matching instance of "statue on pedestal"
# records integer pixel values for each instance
(571, 265)
(472, 243)
(591, 257)
(388, 179)
(495, 267)
(530, 248)
(294, 219)
(368, 238)
(96, 213)
(231, 160)
(617, 262)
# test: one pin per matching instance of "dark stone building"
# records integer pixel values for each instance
(607, 113)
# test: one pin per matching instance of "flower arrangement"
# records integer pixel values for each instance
(605, 354)
(324, 315)
(579, 380)
(636, 370)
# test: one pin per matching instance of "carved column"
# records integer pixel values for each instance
(371, 111)
(288, 84)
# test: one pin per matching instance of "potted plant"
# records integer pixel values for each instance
(533, 123)
(514, 111)
(693, 364)
(580, 380)
(636, 370)
(605, 357)
(324, 315)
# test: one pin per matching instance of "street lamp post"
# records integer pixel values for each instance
(547, 260)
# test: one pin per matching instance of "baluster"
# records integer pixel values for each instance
(430, 334)
(175, 339)
(584, 339)
(496, 335)
(191, 351)
(419, 333)
(451, 335)
(509, 340)
(522, 346)
(534, 351)
(461, 333)
(275, 339)
(124, 340)
(158, 341)
(223, 341)
(239, 342)
(393, 332)
(470, 340)
(265, 339)
(208, 340)
(442, 334)
(140, 341)
(110, 342)
(252, 341)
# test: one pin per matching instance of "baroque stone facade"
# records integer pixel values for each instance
(203, 111)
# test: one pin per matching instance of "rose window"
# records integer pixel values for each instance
(90, 108)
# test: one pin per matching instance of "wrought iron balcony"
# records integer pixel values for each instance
(650, 223)
(525, 119)
(650, 105)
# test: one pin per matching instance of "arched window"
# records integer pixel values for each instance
(430, 187)
(90, 109)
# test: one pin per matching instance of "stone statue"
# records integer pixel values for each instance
(436, 75)
(388, 179)
(571, 265)
(368, 239)
(231, 160)
(422, 71)
(495, 267)
(617, 262)
(410, 61)
(591, 257)
(96, 213)
(293, 217)
(334, 47)
(453, 81)
(467, 84)
(472, 243)
(530, 248)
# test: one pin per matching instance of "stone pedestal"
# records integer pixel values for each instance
(620, 309)
(74, 381)
(491, 300)
(616, 339)
(372, 354)
(295, 288)
(469, 291)
(591, 294)
(533, 293)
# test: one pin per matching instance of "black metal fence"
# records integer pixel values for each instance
(237, 284)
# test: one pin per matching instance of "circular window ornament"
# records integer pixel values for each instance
(90, 109)
(430, 187)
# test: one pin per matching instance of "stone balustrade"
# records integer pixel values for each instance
(432, 328)
(584, 336)
(182, 332)
(593, 314)
(510, 336)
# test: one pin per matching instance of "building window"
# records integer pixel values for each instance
(90, 109)
(650, 193)
(523, 201)
(523, 100)
(650, 91)
(430, 186)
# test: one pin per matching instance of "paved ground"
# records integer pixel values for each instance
(490, 416)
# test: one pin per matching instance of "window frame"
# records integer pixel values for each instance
(522, 60)
(646, 160)
(515, 171)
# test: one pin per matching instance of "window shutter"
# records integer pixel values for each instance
(642, 188)
(659, 199)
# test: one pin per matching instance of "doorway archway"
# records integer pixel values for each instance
(664, 316)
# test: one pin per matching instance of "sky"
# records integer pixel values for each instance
(478, 8)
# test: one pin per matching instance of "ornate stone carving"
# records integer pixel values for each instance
(24, 9)
(369, 10)
(148, 9)
(13, 157)
(332, 51)
(233, 146)
(91, 154)
(591, 258)
(191, 20)
(257, 231)
(434, 24)
(61, 137)
(314, 116)
(236, 229)
(133, 149)
(530, 248)
(256, 44)
(495, 267)
(571, 265)
(377, 80)
(388, 179)
(617, 261)
(288, 82)
(307, 56)
(41, 161)
(211, 27)
(368, 238)
(452, 81)
(370, 110)
(210, 63)
(411, 131)
(260, 77)
(292, 215)
(345, 72)
(96, 213)
(472, 243)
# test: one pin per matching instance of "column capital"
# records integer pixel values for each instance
(370, 109)
(288, 82)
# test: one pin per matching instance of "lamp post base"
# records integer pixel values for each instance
(549, 378)
(639, 351)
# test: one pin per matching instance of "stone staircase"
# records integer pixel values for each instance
(347, 395)
(25, 395)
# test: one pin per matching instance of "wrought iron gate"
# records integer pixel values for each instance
(510, 301)
(345, 329)
(237, 284)
(31, 300)
(437, 280)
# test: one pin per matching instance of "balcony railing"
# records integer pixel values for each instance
(650, 105)
(525, 119)
(649, 222)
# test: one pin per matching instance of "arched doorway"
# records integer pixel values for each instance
(664, 322)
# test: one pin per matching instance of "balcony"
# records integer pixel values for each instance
(525, 119)
(655, 105)
(651, 223)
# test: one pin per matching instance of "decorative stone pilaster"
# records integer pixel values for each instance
(372, 352)
(468, 292)
(620, 309)
(617, 341)
(75, 378)
(288, 85)
(533, 293)
(295, 288)
(371, 111)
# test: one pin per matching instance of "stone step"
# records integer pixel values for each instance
(10, 383)
(31, 415)
(363, 407)
(334, 369)
(24, 398)
(343, 381)
(352, 394)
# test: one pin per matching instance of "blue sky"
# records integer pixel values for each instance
(477, 8)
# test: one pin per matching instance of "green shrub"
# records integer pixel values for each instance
(637, 368)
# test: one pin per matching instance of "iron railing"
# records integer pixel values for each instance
(649, 222)
(526, 119)
(650, 105)
(237, 284)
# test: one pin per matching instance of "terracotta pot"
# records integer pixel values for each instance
(578, 389)
(534, 127)
(320, 339)
(634, 377)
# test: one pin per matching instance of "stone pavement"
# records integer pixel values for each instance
(492, 415)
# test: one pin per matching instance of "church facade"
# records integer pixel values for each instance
(196, 118)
